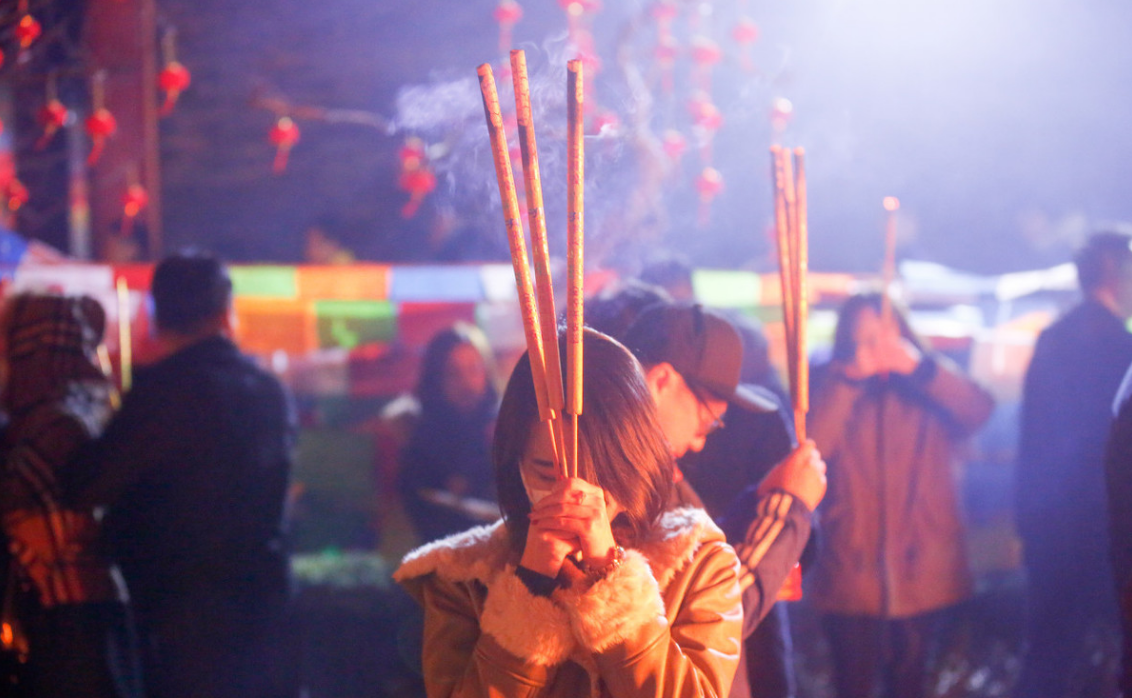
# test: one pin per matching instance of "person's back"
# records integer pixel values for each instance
(1070, 385)
(206, 514)
(193, 473)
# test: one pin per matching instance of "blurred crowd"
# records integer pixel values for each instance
(147, 548)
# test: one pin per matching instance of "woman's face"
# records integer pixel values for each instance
(465, 378)
(539, 473)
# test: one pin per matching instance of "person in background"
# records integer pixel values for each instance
(1067, 400)
(445, 472)
(733, 459)
(193, 472)
(691, 357)
(589, 586)
(890, 416)
(1118, 476)
(57, 399)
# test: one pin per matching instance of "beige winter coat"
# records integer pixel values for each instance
(664, 624)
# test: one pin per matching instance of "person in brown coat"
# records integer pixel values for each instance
(588, 587)
(888, 415)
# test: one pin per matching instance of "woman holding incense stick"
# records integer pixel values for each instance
(587, 586)
(889, 416)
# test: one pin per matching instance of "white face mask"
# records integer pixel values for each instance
(534, 495)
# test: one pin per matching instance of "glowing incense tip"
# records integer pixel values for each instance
(891, 203)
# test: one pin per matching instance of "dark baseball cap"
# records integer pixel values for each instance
(702, 346)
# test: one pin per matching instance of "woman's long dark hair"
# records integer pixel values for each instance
(621, 446)
(430, 387)
(844, 344)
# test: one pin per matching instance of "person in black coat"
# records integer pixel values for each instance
(194, 473)
(1118, 473)
(1067, 402)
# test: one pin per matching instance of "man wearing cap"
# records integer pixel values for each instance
(691, 358)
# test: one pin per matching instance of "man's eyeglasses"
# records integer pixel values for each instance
(717, 422)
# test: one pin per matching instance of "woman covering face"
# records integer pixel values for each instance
(586, 584)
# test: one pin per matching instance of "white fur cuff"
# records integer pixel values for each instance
(616, 608)
(530, 627)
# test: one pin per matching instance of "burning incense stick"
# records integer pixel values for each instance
(801, 305)
(783, 237)
(575, 188)
(536, 215)
(515, 239)
(125, 348)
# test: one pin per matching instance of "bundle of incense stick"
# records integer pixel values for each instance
(789, 175)
(540, 322)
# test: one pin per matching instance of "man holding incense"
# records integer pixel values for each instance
(691, 357)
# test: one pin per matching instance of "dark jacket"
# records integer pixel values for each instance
(1067, 402)
(447, 451)
(1118, 473)
(194, 474)
(892, 537)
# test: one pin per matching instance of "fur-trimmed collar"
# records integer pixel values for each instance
(482, 552)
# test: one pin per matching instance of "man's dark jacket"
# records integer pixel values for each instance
(193, 472)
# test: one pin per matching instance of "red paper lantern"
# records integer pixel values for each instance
(705, 114)
(134, 200)
(27, 31)
(15, 194)
(705, 52)
(664, 12)
(666, 51)
(52, 117)
(508, 13)
(709, 184)
(416, 177)
(283, 135)
(781, 113)
(99, 126)
(745, 32)
(576, 8)
(173, 80)
(674, 144)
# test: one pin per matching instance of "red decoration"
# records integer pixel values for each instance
(52, 117)
(416, 176)
(100, 125)
(781, 113)
(705, 114)
(507, 13)
(284, 135)
(709, 184)
(705, 52)
(576, 8)
(674, 144)
(1, 59)
(27, 31)
(664, 12)
(15, 194)
(666, 51)
(134, 202)
(746, 31)
(173, 80)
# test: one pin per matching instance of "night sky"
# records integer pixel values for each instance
(1002, 126)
